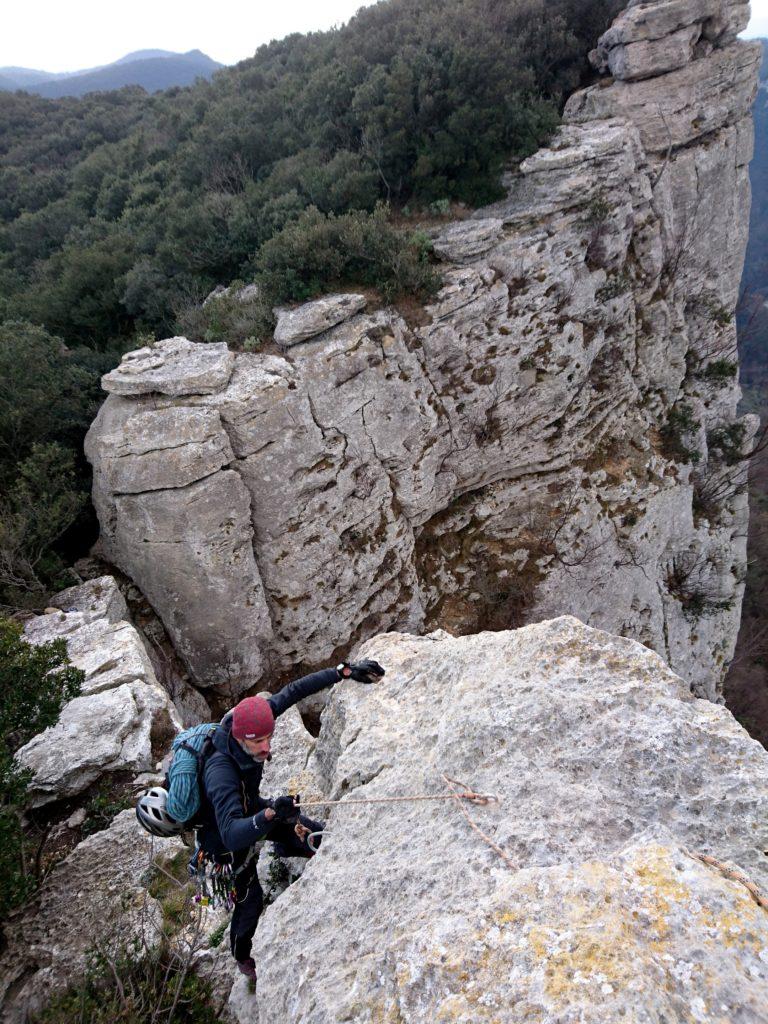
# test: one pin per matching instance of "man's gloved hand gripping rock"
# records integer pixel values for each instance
(366, 671)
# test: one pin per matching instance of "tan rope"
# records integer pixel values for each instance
(458, 797)
(481, 799)
(732, 873)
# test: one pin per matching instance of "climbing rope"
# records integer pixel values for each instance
(460, 793)
(733, 874)
(476, 798)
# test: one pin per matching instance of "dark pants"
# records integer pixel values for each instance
(249, 898)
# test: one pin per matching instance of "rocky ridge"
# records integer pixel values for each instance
(612, 781)
(122, 718)
(546, 442)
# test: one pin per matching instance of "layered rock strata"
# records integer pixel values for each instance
(596, 905)
(122, 717)
(560, 435)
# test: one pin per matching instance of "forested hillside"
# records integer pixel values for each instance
(307, 166)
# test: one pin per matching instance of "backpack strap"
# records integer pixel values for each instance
(201, 755)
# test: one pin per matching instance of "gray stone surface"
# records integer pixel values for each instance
(611, 779)
(505, 460)
(295, 325)
(174, 366)
(96, 894)
(122, 711)
(467, 239)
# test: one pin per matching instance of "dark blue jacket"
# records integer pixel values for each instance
(232, 817)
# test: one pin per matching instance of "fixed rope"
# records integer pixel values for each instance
(460, 794)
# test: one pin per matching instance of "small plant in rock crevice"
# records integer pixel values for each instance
(726, 444)
(679, 425)
(687, 580)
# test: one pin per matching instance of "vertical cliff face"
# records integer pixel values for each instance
(560, 436)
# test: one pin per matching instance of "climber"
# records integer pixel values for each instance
(234, 816)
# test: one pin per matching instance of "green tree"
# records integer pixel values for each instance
(35, 682)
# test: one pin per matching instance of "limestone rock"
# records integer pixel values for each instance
(171, 367)
(164, 448)
(506, 459)
(608, 773)
(97, 892)
(295, 325)
(98, 598)
(122, 712)
(700, 98)
(467, 239)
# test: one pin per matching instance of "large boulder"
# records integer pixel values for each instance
(311, 318)
(607, 883)
(122, 718)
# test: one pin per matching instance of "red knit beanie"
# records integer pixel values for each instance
(252, 717)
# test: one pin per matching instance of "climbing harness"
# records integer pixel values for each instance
(216, 883)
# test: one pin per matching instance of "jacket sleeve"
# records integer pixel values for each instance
(301, 688)
(222, 784)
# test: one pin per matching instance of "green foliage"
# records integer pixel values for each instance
(34, 684)
(278, 879)
(217, 935)
(117, 207)
(680, 423)
(598, 211)
(616, 285)
(102, 807)
(48, 397)
(35, 512)
(727, 443)
(319, 250)
(686, 581)
(719, 372)
(134, 985)
(241, 322)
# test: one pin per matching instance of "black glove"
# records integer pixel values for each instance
(285, 809)
(361, 671)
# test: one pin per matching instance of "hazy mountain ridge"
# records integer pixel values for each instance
(151, 69)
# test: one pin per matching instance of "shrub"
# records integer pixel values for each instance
(719, 372)
(35, 681)
(319, 251)
(680, 423)
(726, 444)
(133, 985)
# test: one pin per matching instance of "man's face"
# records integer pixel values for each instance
(258, 747)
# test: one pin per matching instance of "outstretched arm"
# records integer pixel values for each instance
(361, 671)
(301, 688)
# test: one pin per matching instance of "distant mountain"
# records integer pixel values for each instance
(151, 69)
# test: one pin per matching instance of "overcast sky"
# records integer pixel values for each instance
(50, 35)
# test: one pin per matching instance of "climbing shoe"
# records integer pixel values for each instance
(248, 968)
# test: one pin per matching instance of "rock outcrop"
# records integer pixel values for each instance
(122, 717)
(613, 784)
(97, 895)
(561, 435)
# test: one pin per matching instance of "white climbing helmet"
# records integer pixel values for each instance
(152, 815)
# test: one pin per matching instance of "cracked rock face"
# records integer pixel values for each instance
(541, 444)
(612, 780)
(122, 710)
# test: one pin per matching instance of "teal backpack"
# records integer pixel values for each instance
(184, 776)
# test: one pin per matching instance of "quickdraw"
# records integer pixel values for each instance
(214, 883)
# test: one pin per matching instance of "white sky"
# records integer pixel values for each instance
(52, 35)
